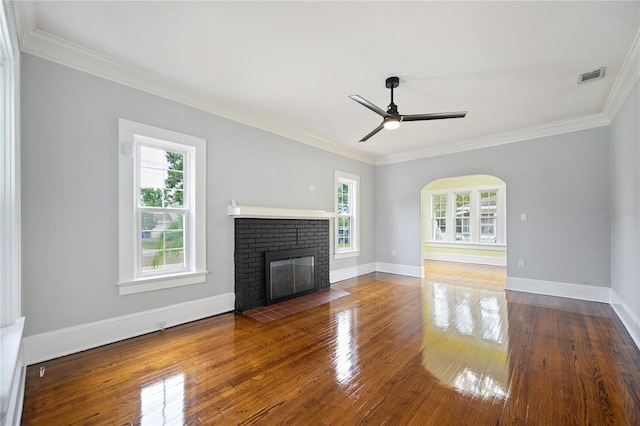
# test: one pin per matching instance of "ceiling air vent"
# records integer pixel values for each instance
(591, 75)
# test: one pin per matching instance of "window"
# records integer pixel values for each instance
(162, 209)
(346, 205)
(463, 217)
(439, 217)
(488, 216)
(467, 216)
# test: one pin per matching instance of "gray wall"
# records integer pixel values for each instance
(625, 202)
(70, 192)
(70, 213)
(561, 182)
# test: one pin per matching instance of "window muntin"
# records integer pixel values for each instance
(463, 217)
(347, 236)
(162, 209)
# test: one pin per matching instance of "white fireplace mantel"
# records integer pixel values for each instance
(276, 213)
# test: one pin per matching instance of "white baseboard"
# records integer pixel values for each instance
(394, 268)
(367, 268)
(627, 317)
(467, 258)
(351, 272)
(57, 343)
(559, 289)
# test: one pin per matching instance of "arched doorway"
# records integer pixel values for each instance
(464, 228)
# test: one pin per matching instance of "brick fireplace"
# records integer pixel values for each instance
(255, 237)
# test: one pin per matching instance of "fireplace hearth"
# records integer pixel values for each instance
(280, 240)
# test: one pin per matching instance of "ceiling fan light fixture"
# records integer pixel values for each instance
(391, 123)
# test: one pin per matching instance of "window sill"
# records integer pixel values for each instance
(161, 283)
(466, 245)
(346, 254)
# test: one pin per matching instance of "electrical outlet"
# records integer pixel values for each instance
(393, 252)
(522, 263)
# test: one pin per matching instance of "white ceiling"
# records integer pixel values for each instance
(289, 67)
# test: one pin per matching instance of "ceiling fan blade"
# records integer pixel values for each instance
(433, 116)
(366, 103)
(373, 132)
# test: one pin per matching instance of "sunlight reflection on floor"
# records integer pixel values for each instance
(466, 338)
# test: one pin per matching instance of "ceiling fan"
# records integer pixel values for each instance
(391, 119)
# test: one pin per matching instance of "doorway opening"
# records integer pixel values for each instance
(464, 227)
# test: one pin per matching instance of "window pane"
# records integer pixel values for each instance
(161, 177)
(151, 222)
(344, 232)
(174, 198)
(174, 259)
(163, 246)
(344, 206)
(151, 178)
(175, 161)
(488, 230)
(151, 245)
(440, 228)
(151, 197)
(151, 157)
(174, 181)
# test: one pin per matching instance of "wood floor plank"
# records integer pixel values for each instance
(397, 350)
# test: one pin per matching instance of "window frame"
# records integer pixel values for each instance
(130, 279)
(465, 217)
(482, 216)
(436, 218)
(354, 207)
(475, 218)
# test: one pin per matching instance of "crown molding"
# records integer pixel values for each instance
(549, 129)
(23, 15)
(627, 77)
(56, 49)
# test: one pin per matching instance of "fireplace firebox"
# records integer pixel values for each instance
(290, 273)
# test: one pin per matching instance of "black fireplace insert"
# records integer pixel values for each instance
(290, 273)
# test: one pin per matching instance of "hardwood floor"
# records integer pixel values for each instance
(397, 350)
(466, 274)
